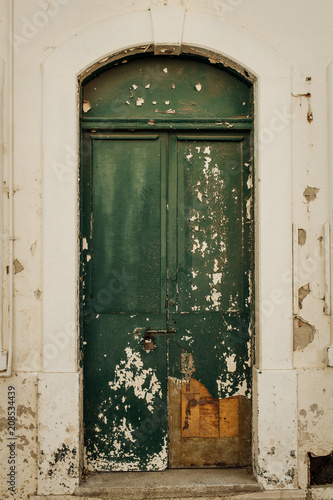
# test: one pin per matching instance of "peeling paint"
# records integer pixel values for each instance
(301, 237)
(33, 248)
(310, 193)
(18, 267)
(303, 333)
(303, 292)
(86, 106)
(130, 374)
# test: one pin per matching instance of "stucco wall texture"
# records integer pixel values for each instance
(300, 33)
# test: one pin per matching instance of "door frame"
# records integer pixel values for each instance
(274, 407)
(169, 135)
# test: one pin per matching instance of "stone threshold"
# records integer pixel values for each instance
(177, 484)
(169, 484)
(259, 495)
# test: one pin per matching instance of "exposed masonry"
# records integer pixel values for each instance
(18, 267)
(303, 292)
(303, 333)
(310, 193)
(301, 237)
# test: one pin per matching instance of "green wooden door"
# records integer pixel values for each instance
(125, 386)
(209, 267)
(166, 270)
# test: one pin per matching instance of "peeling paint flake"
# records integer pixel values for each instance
(86, 106)
(18, 267)
(310, 193)
(130, 374)
(140, 101)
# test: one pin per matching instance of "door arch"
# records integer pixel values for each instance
(167, 267)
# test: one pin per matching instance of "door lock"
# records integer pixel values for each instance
(148, 342)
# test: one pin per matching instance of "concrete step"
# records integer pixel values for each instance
(169, 484)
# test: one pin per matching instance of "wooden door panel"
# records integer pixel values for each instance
(212, 307)
(125, 386)
(126, 225)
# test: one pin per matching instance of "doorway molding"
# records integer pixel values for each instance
(274, 380)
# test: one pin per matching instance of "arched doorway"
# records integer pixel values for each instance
(167, 267)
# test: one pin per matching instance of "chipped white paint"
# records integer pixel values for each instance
(199, 195)
(249, 181)
(217, 278)
(84, 244)
(248, 208)
(140, 101)
(176, 381)
(198, 86)
(214, 300)
(159, 460)
(231, 363)
(165, 70)
(86, 106)
(131, 375)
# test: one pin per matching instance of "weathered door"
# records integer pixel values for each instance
(166, 277)
(208, 291)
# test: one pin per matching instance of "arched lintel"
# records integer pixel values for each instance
(210, 56)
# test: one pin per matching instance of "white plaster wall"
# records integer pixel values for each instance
(299, 31)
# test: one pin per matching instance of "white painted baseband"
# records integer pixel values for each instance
(275, 427)
(59, 415)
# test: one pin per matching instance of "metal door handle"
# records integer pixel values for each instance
(153, 331)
